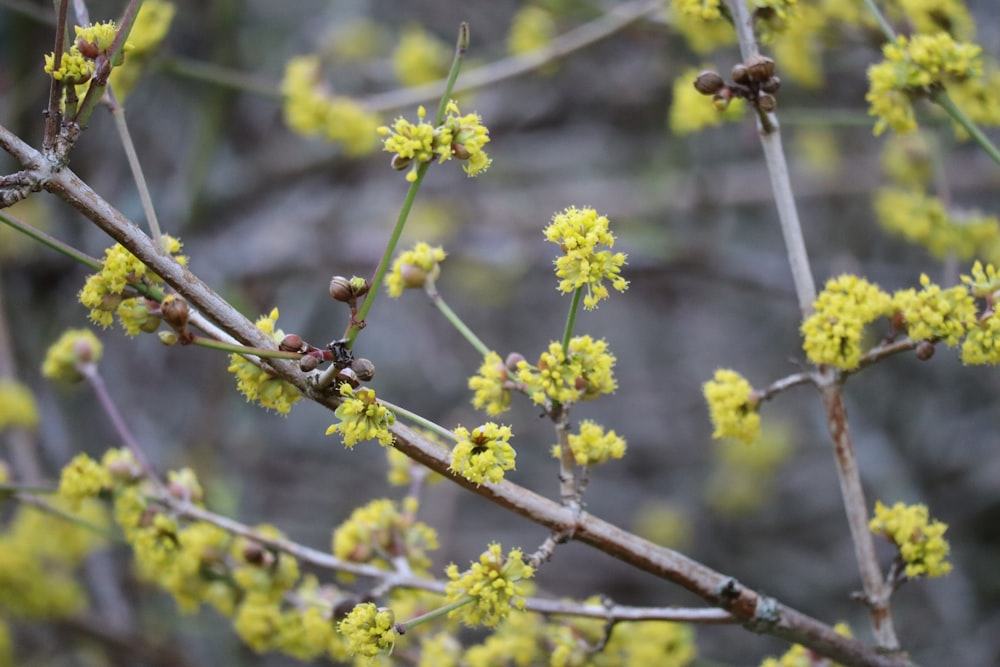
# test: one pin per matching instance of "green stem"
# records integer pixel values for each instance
(940, 97)
(419, 420)
(431, 289)
(243, 349)
(574, 308)
(51, 242)
(436, 613)
(118, 113)
(383, 266)
(883, 22)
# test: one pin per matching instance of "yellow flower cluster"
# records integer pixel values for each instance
(913, 66)
(413, 268)
(532, 28)
(39, 556)
(17, 406)
(73, 67)
(982, 343)
(311, 110)
(592, 445)
(369, 630)
(517, 640)
(459, 136)
(732, 406)
(102, 292)
(832, 334)
(484, 454)
(150, 28)
(383, 529)
(362, 417)
(83, 478)
(491, 386)
(920, 541)
(256, 383)
(690, 111)
(75, 346)
(923, 219)
(492, 585)
(587, 261)
(419, 57)
(581, 374)
(800, 656)
(936, 314)
(932, 16)
(702, 24)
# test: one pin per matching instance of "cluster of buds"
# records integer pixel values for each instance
(349, 291)
(753, 81)
(352, 370)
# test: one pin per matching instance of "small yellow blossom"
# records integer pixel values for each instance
(256, 383)
(492, 583)
(17, 406)
(459, 136)
(413, 268)
(362, 417)
(984, 281)
(592, 446)
(419, 57)
(832, 334)
(583, 374)
(533, 27)
(73, 68)
(484, 454)
(911, 67)
(490, 385)
(98, 35)
(800, 656)
(257, 622)
(732, 406)
(369, 630)
(587, 260)
(74, 347)
(383, 528)
(82, 478)
(920, 541)
(936, 314)
(310, 109)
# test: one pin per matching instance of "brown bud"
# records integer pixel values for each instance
(925, 350)
(363, 369)
(413, 276)
(340, 289)
(760, 68)
(83, 351)
(175, 312)
(87, 49)
(292, 343)
(513, 359)
(348, 376)
(254, 553)
(740, 74)
(767, 103)
(308, 363)
(709, 83)
(359, 286)
(459, 152)
(771, 85)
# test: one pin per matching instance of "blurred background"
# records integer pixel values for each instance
(267, 216)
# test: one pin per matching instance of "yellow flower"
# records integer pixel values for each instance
(832, 334)
(800, 656)
(492, 585)
(17, 406)
(592, 446)
(369, 630)
(362, 417)
(484, 454)
(532, 28)
(587, 261)
(413, 268)
(936, 314)
(583, 374)
(74, 347)
(920, 541)
(419, 57)
(382, 528)
(82, 478)
(256, 383)
(490, 386)
(732, 406)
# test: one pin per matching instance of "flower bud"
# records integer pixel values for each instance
(925, 350)
(740, 74)
(413, 276)
(767, 103)
(340, 289)
(359, 286)
(175, 312)
(400, 163)
(308, 363)
(168, 337)
(760, 68)
(348, 376)
(292, 343)
(512, 360)
(363, 369)
(87, 49)
(709, 83)
(771, 85)
(459, 152)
